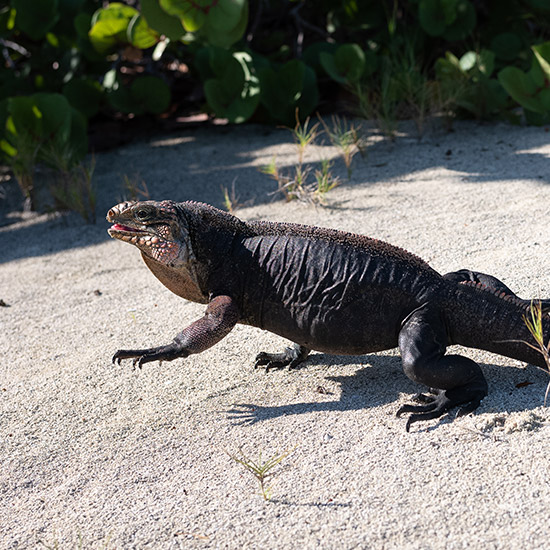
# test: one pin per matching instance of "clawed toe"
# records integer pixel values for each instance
(270, 361)
(290, 357)
(435, 406)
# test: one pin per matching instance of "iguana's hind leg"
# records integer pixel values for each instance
(454, 379)
(464, 275)
(492, 283)
(290, 357)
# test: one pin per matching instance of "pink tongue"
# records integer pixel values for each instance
(120, 227)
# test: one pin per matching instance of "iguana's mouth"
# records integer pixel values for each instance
(126, 233)
(120, 227)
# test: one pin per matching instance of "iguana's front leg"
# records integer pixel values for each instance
(290, 357)
(220, 317)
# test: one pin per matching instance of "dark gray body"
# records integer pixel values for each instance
(324, 294)
(329, 291)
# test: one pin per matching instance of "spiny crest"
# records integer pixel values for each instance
(373, 246)
(498, 294)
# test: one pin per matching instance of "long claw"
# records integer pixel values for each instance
(290, 357)
(437, 405)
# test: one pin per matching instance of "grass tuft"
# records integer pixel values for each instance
(262, 470)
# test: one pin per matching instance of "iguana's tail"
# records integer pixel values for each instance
(494, 320)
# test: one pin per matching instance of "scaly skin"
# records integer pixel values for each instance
(325, 290)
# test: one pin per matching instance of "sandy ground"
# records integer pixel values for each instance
(107, 457)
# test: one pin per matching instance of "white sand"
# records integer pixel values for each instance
(127, 459)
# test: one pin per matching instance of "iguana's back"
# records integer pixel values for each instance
(327, 290)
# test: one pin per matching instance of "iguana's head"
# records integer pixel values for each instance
(156, 228)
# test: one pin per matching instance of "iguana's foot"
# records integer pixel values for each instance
(290, 357)
(141, 356)
(443, 400)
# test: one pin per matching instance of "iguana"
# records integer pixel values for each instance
(325, 290)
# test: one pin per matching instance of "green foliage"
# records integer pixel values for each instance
(531, 89)
(262, 470)
(84, 94)
(452, 19)
(35, 19)
(234, 91)
(533, 322)
(161, 21)
(218, 22)
(264, 61)
(468, 80)
(38, 128)
(291, 87)
(346, 65)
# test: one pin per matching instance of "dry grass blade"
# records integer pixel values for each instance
(533, 322)
(261, 470)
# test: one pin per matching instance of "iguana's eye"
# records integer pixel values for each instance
(143, 214)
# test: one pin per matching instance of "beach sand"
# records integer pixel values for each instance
(117, 458)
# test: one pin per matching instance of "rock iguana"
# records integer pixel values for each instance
(325, 290)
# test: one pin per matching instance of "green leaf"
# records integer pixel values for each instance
(486, 62)
(122, 101)
(191, 13)
(542, 53)
(226, 14)
(435, 15)
(139, 33)
(346, 65)
(453, 19)
(84, 95)
(293, 85)
(229, 35)
(235, 94)
(151, 94)
(468, 61)
(110, 26)
(35, 18)
(464, 22)
(55, 116)
(311, 55)
(521, 88)
(161, 21)
(506, 45)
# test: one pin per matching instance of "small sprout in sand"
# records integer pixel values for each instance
(303, 136)
(136, 188)
(260, 469)
(325, 180)
(230, 198)
(347, 137)
(533, 321)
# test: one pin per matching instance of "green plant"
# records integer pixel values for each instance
(303, 135)
(531, 89)
(348, 64)
(39, 128)
(233, 91)
(288, 89)
(296, 182)
(346, 136)
(325, 180)
(135, 189)
(230, 199)
(262, 470)
(73, 189)
(534, 324)
(452, 19)
(468, 86)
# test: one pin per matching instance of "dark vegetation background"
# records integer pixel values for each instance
(80, 75)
